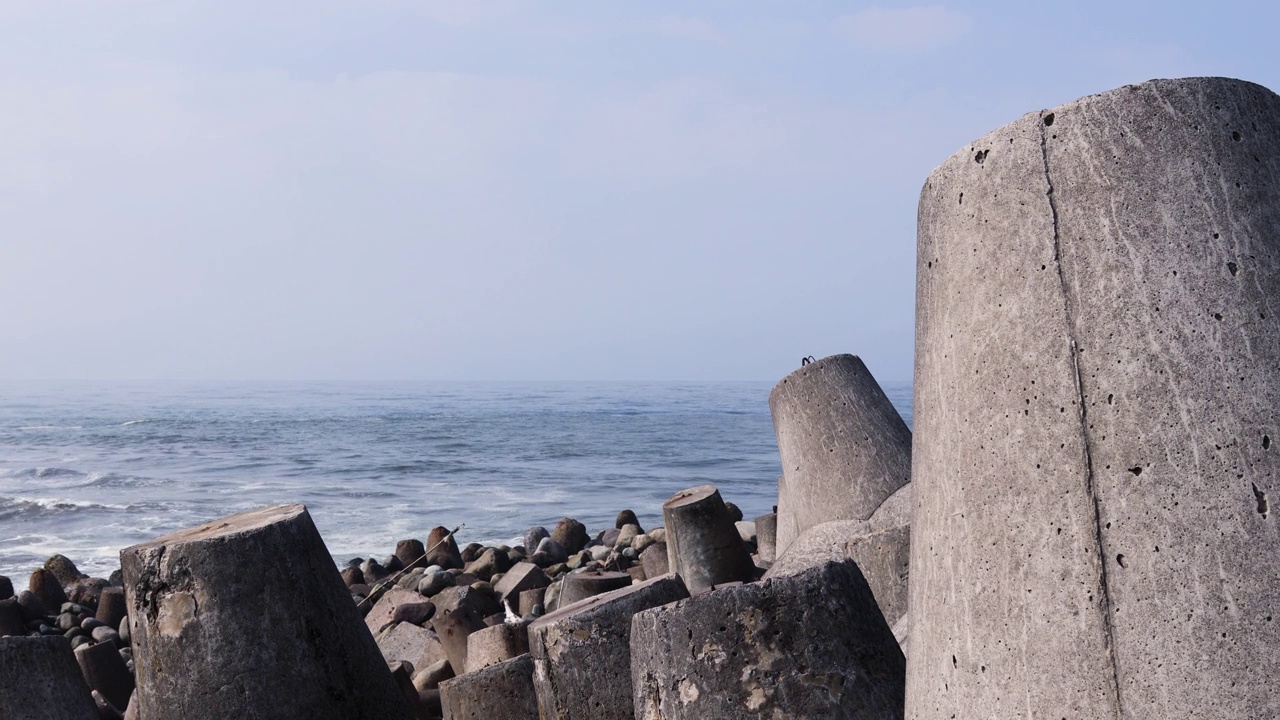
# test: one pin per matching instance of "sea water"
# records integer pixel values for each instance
(89, 468)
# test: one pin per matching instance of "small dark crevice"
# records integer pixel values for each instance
(1266, 442)
(1233, 268)
(1136, 470)
(1263, 507)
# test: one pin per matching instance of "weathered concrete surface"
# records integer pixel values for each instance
(522, 576)
(409, 643)
(495, 644)
(582, 651)
(767, 537)
(39, 680)
(498, 692)
(255, 603)
(703, 545)
(384, 611)
(1096, 390)
(883, 557)
(811, 644)
(580, 586)
(844, 447)
(104, 671)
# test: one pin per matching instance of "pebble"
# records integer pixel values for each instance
(433, 583)
(106, 634)
(67, 621)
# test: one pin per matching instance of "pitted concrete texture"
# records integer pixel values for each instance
(844, 447)
(498, 692)
(582, 651)
(883, 557)
(1097, 382)
(383, 611)
(39, 680)
(247, 617)
(807, 645)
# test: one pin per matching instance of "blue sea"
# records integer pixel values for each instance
(89, 468)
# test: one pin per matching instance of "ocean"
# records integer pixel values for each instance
(89, 468)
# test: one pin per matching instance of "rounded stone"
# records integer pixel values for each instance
(571, 535)
(626, 517)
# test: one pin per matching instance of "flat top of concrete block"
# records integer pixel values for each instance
(230, 525)
(690, 496)
(586, 604)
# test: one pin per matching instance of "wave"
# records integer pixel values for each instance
(14, 506)
(133, 422)
(52, 427)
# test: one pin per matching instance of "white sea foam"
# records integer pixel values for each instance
(133, 422)
(52, 427)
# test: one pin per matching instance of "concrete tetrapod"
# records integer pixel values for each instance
(808, 645)
(1096, 395)
(582, 651)
(247, 617)
(703, 546)
(39, 680)
(498, 692)
(844, 447)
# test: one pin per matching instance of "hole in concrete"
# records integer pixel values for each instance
(1263, 506)
(1235, 135)
(1121, 561)
(953, 661)
(1048, 120)
(1215, 236)
(981, 155)
(961, 199)
(1110, 399)
(1266, 442)
(1233, 268)
(1136, 470)
(1217, 316)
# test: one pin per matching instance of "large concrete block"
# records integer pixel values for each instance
(492, 645)
(384, 611)
(1096, 395)
(582, 651)
(703, 545)
(844, 447)
(883, 557)
(498, 692)
(811, 644)
(522, 576)
(247, 617)
(406, 642)
(39, 680)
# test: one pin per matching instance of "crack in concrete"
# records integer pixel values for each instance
(1090, 486)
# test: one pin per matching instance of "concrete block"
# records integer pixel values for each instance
(498, 692)
(582, 651)
(844, 448)
(703, 546)
(654, 560)
(495, 644)
(883, 557)
(409, 643)
(767, 537)
(384, 610)
(811, 644)
(255, 603)
(522, 576)
(40, 681)
(454, 628)
(580, 586)
(1097, 344)
(104, 671)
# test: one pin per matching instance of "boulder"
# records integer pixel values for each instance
(811, 644)
(44, 585)
(442, 549)
(384, 610)
(570, 535)
(63, 569)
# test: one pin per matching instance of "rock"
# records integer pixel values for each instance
(641, 542)
(415, 613)
(570, 535)
(531, 598)
(402, 674)
(582, 652)
(46, 587)
(41, 681)
(654, 560)
(533, 536)
(67, 621)
(352, 576)
(481, 604)
(735, 513)
(521, 577)
(261, 582)
(552, 551)
(626, 536)
(471, 552)
(430, 677)
(489, 562)
(703, 546)
(433, 583)
(411, 553)
(844, 448)
(495, 644)
(11, 620)
(106, 710)
(582, 585)
(442, 549)
(104, 671)
(63, 569)
(126, 636)
(86, 592)
(111, 606)
(658, 534)
(498, 692)
(746, 530)
(373, 572)
(766, 537)
(609, 537)
(454, 628)
(6, 588)
(599, 553)
(811, 644)
(637, 574)
(32, 607)
(393, 565)
(626, 517)
(410, 643)
(384, 611)
(1151, 336)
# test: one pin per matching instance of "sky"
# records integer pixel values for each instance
(507, 190)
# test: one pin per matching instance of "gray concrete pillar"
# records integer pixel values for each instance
(247, 617)
(703, 545)
(498, 692)
(1096, 396)
(844, 448)
(39, 680)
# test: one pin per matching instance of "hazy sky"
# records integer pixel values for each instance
(390, 189)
